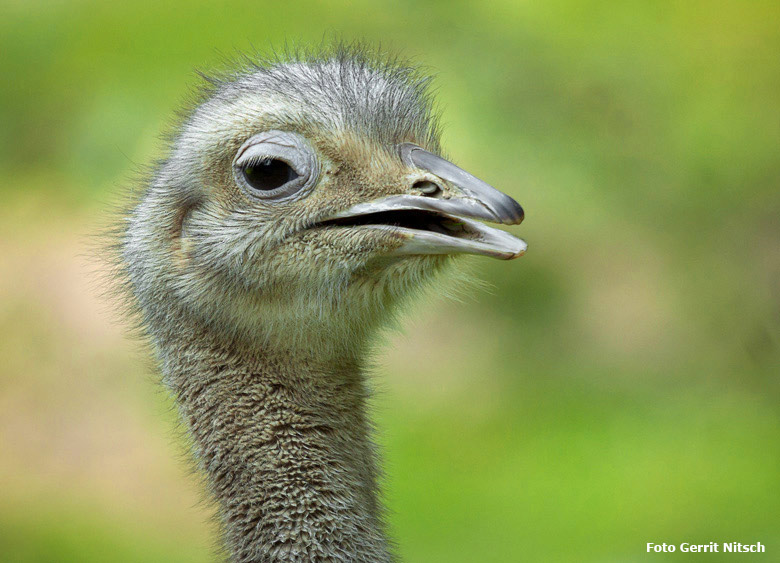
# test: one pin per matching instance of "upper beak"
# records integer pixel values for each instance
(449, 228)
(480, 200)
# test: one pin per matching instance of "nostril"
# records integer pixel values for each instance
(427, 188)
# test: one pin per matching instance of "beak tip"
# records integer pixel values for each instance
(517, 253)
(520, 214)
(514, 214)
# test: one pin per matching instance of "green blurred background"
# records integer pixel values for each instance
(617, 385)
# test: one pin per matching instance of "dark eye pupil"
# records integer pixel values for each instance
(269, 174)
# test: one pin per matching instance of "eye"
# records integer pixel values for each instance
(276, 165)
(269, 174)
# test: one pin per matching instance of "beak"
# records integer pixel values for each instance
(434, 225)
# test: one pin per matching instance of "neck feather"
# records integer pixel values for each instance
(284, 442)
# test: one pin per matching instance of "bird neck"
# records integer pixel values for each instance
(285, 445)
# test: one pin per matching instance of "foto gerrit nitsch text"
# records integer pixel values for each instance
(712, 547)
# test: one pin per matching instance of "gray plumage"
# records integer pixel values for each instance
(261, 309)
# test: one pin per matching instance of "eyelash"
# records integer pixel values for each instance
(258, 160)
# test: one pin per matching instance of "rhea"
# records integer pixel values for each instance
(299, 203)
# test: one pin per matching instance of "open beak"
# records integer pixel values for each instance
(435, 225)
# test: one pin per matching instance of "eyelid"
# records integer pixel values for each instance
(270, 151)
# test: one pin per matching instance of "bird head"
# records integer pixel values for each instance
(303, 199)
